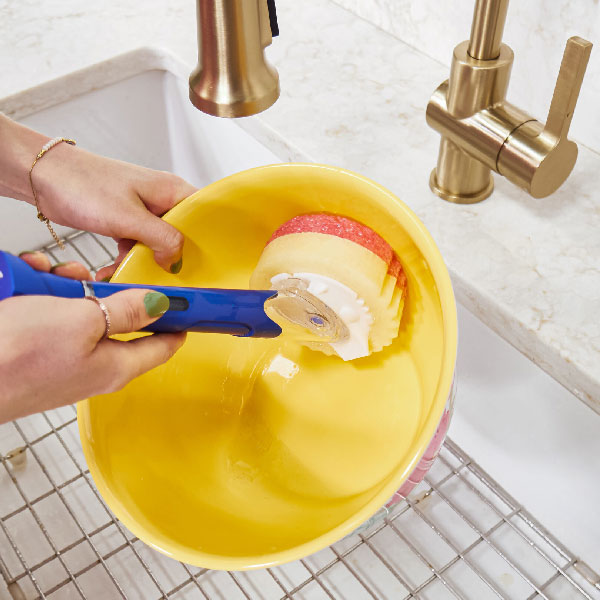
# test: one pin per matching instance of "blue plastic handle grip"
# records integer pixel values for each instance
(236, 312)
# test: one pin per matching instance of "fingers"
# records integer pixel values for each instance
(105, 273)
(71, 269)
(183, 189)
(124, 246)
(160, 194)
(38, 260)
(162, 238)
(145, 353)
(131, 310)
(163, 191)
(127, 360)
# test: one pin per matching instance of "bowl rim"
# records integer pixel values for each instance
(429, 250)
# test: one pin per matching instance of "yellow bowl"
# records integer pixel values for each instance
(244, 453)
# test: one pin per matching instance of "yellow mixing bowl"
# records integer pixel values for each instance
(244, 453)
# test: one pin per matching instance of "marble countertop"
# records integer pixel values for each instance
(355, 96)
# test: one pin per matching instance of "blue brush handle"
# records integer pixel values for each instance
(237, 312)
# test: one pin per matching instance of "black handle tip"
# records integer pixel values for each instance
(273, 18)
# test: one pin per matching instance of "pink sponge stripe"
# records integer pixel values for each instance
(348, 229)
(395, 270)
(342, 227)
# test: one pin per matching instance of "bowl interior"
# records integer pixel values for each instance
(240, 453)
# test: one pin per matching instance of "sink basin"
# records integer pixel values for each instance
(513, 418)
(145, 119)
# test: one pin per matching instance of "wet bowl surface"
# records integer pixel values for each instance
(244, 453)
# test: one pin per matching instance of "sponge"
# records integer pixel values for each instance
(348, 266)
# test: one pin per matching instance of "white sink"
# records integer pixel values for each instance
(519, 424)
(148, 120)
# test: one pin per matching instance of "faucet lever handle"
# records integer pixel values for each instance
(568, 85)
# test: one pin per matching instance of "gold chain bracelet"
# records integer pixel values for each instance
(40, 215)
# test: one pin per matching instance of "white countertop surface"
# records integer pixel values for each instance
(355, 96)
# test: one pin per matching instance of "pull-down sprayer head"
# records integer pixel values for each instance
(233, 78)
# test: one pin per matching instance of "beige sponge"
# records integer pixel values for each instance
(348, 252)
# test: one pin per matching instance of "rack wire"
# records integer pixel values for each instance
(458, 535)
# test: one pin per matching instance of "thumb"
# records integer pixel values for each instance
(133, 309)
(158, 235)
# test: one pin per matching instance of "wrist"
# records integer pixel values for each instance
(51, 174)
(19, 146)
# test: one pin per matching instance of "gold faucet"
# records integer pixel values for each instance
(233, 78)
(482, 132)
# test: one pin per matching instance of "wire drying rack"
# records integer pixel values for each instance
(458, 535)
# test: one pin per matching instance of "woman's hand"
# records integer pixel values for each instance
(83, 190)
(120, 200)
(53, 351)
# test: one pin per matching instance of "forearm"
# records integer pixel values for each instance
(19, 146)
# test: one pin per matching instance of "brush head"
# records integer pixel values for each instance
(345, 266)
(303, 315)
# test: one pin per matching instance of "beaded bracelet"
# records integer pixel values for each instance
(40, 215)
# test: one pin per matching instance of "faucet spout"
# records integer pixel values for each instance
(487, 28)
(233, 77)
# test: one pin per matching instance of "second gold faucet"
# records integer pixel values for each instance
(482, 132)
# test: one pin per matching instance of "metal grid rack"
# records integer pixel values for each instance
(458, 535)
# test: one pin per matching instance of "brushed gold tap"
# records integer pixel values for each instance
(233, 77)
(482, 132)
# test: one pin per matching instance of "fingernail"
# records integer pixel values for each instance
(156, 304)
(62, 264)
(176, 266)
(106, 279)
(28, 252)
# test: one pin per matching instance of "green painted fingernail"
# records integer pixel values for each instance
(107, 278)
(156, 304)
(28, 252)
(176, 267)
(62, 264)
